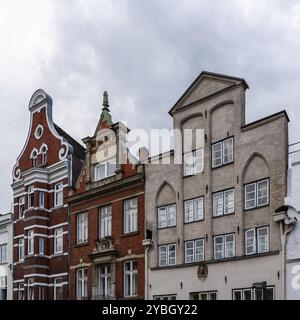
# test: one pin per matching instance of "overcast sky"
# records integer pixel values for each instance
(145, 54)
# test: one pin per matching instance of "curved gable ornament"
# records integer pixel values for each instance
(39, 96)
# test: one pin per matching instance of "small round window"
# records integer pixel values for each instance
(38, 132)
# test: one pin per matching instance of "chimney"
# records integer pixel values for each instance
(143, 155)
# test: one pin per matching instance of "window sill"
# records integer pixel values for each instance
(223, 215)
(134, 233)
(192, 175)
(222, 165)
(257, 208)
(58, 254)
(194, 221)
(78, 245)
(166, 228)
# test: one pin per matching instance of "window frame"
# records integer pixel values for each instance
(3, 253)
(224, 249)
(57, 192)
(41, 246)
(133, 278)
(21, 257)
(83, 280)
(58, 237)
(256, 205)
(222, 142)
(167, 216)
(193, 201)
(41, 199)
(130, 220)
(193, 154)
(58, 284)
(256, 237)
(30, 242)
(222, 193)
(22, 206)
(31, 196)
(167, 252)
(194, 251)
(106, 164)
(105, 221)
(82, 228)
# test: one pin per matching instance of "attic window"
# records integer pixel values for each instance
(34, 158)
(38, 132)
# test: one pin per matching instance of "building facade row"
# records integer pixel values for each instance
(214, 225)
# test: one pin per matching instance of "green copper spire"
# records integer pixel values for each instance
(105, 101)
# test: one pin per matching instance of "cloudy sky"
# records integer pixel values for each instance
(145, 54)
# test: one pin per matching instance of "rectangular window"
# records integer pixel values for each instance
(193, 210)
(194, 251)
(256, 194)
(223, 202)
(21, 249)
(30, 289)
(21, 295)
(105, 221)
(167, 216)
(58, 289)
(41, 200)
(222, 152)
(130, 215)
(81, 284)
(30, 242)
(21, 207)
(167, 255)
(165, 297)
(3, 253)
(130, 279)
(266, 293)
(193, 162)
(41, 293)
(30, 197)
(104, 282)
(58, 194)
(209, 295)
(105, 169)
(82, 227)
(224, 246)
(41, 246)
(58, 240)
(257, 240)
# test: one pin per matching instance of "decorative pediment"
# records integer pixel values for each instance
(103, 247)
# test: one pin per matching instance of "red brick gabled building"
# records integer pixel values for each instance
(48, 165)
(107, 219)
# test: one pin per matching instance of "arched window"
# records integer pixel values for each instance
(44, 154)
(34, 158)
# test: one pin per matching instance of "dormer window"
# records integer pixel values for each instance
(105, 169)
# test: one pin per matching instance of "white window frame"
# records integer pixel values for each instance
(58, 240)
(224, 249)
(21, 249)
(82, 283)
(191, 213)
(165, 212)
(82, 227)
(132, 274)
(193, 248)
(192, 160)
(256, 197)
(130, 215)
(41, 200)
(168, 253)
(3, 253)
(222, 195)
(106, 165)
(57, 283)
(58, 194)
(253, 239)
(221, 159)
(30, 200)
(21, 291)
(41, 246)
(30, 242)
(21, 207)
(165, 297)
(104, 277)
(259, 239)
(30, 289)
(105, 221)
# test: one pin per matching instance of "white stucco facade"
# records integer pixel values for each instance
(293, 238)
(6, 260)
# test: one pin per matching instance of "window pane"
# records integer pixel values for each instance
(237, 295)
(230, 245)
(250, 196)
(188, 164)
(189, 251)
(198, 209)
(163, 255)
(171, 215)
(216, 154)
(263, 240)
(228, 201)
(218, 204)
(198, 161)
(111, 168)
(199, 250)
(247, 294)
(100, 172)
(228, 150)
(250, 241)
(171, 254)
(188, 211)
(262, 192)
(219, 247)
(162, 217)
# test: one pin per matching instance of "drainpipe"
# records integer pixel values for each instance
(147, 245)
